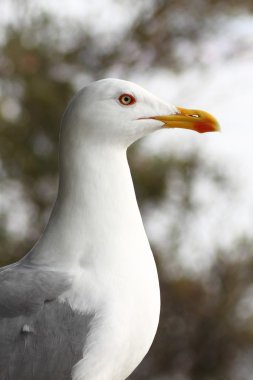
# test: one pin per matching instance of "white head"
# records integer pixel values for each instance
(119, 112)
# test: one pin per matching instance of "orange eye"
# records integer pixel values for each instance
(127, 99)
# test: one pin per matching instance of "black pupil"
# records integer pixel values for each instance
(126, 99)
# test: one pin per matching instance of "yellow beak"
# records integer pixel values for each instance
(199, 121)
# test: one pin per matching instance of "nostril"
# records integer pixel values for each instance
(195, 115)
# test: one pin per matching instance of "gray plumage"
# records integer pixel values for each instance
(40, 337)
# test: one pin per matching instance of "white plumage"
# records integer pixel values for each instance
(95, 236)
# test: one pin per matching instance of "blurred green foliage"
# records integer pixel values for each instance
(203, 334)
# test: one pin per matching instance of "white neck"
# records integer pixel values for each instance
(96, 232)
(96, 209)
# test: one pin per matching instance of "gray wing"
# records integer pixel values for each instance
(40, 338)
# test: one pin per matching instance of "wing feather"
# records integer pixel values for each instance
(40, 337)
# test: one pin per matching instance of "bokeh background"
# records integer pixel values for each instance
(195, 191)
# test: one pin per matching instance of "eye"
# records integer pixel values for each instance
(127, 99)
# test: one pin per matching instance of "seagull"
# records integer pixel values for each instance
(84, 303)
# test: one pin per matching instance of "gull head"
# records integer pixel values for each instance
(119, 112)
